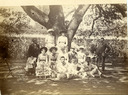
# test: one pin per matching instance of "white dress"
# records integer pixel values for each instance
(81, 57)
(50, 41)
(62, 42)
(42, 68)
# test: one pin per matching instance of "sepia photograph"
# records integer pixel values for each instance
(78, 49)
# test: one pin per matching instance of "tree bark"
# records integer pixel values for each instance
(37, 15)
(55, 19)
(74, 23)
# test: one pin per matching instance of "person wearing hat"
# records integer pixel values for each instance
(50, 39)
(62, 41)
(42, 68)
(80, 55)
(53, 55)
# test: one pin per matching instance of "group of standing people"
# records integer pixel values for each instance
(55, 61)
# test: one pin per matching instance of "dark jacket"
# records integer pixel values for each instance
(33, 50)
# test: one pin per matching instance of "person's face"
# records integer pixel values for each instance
(62, 60)
(43, 51)
(50, 33)
(102, 40)
(71, 49)
(81, 50)
(63, 34)
(74, 61)
(34, 41)
(53, 51)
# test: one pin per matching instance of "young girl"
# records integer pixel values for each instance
(42, 68)
(30, 65)
(53, 60)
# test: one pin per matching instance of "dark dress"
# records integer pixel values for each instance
(33, 50)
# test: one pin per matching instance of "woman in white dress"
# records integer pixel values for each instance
(62, 41)
(42, 68)
(50, 39)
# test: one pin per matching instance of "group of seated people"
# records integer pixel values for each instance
(57, 62)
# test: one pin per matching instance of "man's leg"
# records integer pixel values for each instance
(103, 63)
(98, 61)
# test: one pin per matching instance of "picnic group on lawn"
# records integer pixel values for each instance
(56, 62)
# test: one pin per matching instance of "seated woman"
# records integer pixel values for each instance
(42, 68)
(30, 65)
(53, 60)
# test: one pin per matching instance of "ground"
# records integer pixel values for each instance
(113, 82)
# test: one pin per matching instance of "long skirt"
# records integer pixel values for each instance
(42, 69)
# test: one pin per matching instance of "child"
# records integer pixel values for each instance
(42, 68)
(30, 65)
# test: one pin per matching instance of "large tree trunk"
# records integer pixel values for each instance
(74, 23)
(55, 19)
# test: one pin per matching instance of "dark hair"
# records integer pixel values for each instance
(88, 59)
(63, 31)
(55, 48)
(44, 49)
(102, 38)
(62, 57)
(34, 40)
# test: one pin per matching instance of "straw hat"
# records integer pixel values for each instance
(50, 30)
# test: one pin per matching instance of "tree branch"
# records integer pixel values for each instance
(76, 20)
(37, 15)
(56, 17)
(122, 9)
(93, 23)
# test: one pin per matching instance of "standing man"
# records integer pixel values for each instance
(34, 49)
(101, 51)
